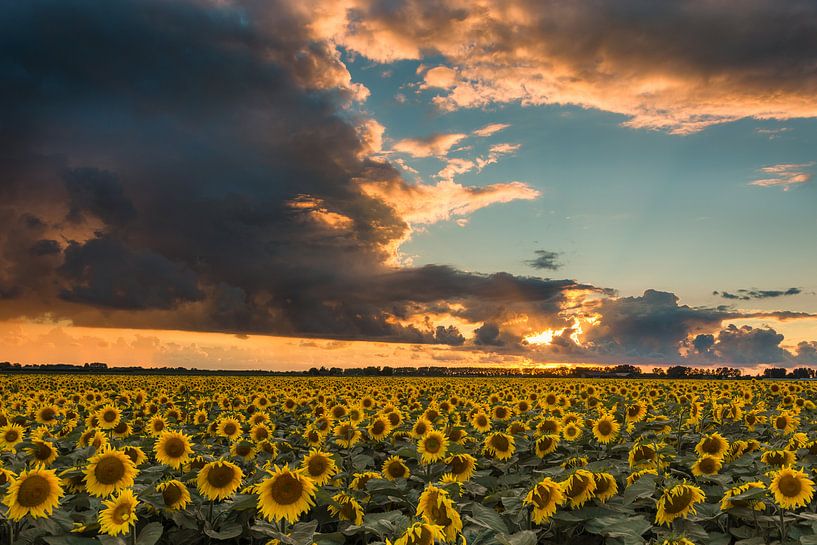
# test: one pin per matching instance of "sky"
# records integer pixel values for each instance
(280, 184)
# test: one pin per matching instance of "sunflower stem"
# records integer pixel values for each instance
(782, 527)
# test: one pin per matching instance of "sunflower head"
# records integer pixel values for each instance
(319, 466)
(119, 514)
(432, 446)
(791, 488)
(544, 498)
(285, 494)
(109, 471)
(173, 449)
(35, 493)
(219, 479)
(436, 507)
(174, 494)
(579, 487)
(346, 507)
(500, 445)
(678, 502)
(395, 468)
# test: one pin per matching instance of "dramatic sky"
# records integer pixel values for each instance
(288, 183)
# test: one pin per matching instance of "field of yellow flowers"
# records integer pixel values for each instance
(296, 461)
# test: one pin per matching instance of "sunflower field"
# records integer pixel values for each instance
(283, 460)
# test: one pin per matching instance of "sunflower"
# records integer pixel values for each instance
(109, 471)
(752, 503)
(286, 494)
(108, 417)
(319, 466)
(41, 452)
(678, 502)
(359, 480)
(636, 412)
(346, 507)
(545, 497)
(10, 436)
(778, 458)
(174, 494)
(420, 428)
(713, 445)
(677, 541)
(550, 426)
(119, 514)
(136, 454)
(173, 449)
(707, 465)
(421, 533)
(395, 468)
(346, 435)
(571, 431)
(579, 487)
(791, 488)
(635, 475)
(35, 492)
(481, 422)
(546, 445)
(436, 507)
(432, 447)
(219, 479)
(500, 445)
(462, 466)
(156, 425)
(6, 476)
(47, 415)
(605, 429)
(606, 486)
(785, 422)
(260, 432)
(379, 428)
(229, 427)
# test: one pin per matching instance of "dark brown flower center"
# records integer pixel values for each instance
(34, 490)
(220, 476)
(109, 470)
(286, 489)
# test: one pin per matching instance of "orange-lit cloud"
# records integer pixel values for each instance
(435, 145)
(679, 68)
(423, 204)
(785, 175)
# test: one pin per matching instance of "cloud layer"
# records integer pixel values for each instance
(203, 166)
(678, 67)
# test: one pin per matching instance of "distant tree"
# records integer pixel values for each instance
(678, 371)
(774, 372)
(630, 369)
(659, 371)
(802, 372)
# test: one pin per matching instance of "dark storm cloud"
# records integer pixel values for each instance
(488, 335)
(748, 295)
(545, 260)
(104, 272)
(750, 345)
(650, 325)
(806, 352)
(191, 165)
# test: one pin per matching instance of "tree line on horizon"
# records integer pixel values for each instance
(612, 371)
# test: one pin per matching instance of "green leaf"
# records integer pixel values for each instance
(303, 532)
(228, 531)
(150, 534)
(70, 540)
(488, 518)
(525, 537)
(644, 487)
